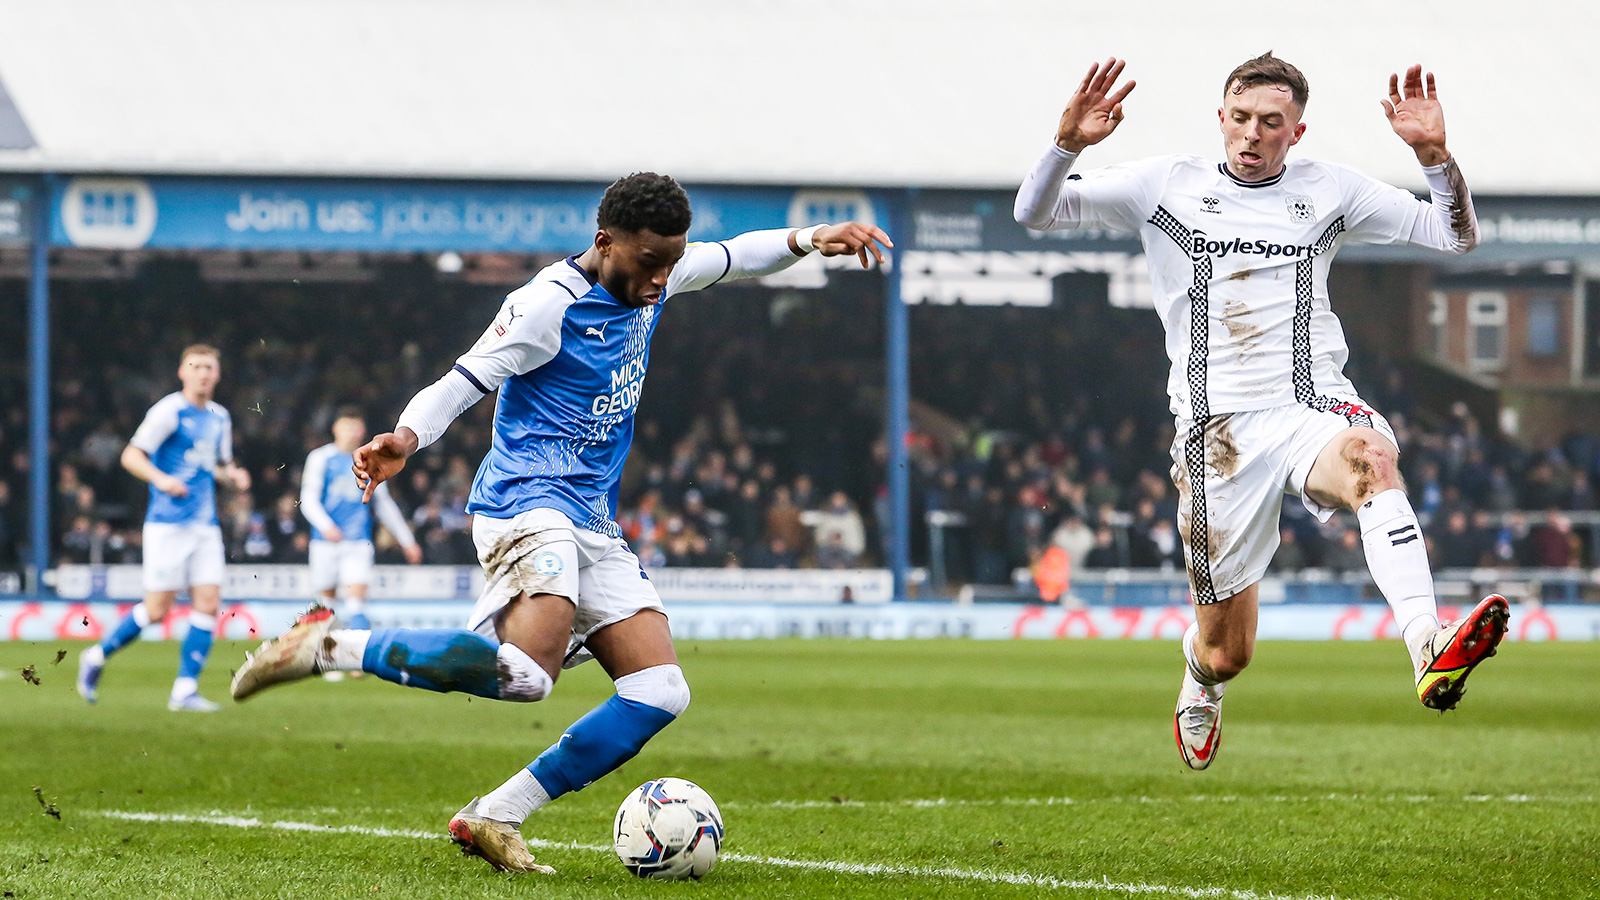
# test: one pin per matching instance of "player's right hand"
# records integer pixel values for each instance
(381, 458)
(333, 535)
(166, 484)
(1093, 113)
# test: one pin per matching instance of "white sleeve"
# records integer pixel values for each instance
(312, 479)
(749, 255)
(524, 335)
(158, 425)
(1450, 223)
(391, 517)
(434, 407)
(1116, 198)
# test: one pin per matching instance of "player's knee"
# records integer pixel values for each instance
(519, 677)
(1227, 662)
(1374, 467)
(663, 687)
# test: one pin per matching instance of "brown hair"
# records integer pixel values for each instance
(1268, 69)
(349, 411)
(200, 350)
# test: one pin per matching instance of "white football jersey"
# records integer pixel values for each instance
(1239, 271)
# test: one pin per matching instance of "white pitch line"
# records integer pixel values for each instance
(944, 802)
(844, 868)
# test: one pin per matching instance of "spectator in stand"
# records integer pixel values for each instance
(1551, 544)
(774, 554)
(839, 534)
(287, 532)
(783, 522)
(1346, 555)
(1290, 556)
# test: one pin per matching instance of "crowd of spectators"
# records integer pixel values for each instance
(759, 441)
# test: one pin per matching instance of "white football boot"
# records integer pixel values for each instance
(1197, 724)
(499, 844)
(298, 653)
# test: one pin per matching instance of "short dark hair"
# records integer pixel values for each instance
(200, 350)
(645, 201)
(349, 411)
(1268, 69)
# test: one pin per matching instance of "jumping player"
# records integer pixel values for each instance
(341, 524)
(567, 353)
(184, 442)
(1239, 254)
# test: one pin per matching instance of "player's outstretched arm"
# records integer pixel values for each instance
(758, 253)
(1450, 223)
(1044, 202)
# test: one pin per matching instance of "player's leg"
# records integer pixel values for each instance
(471, 660)
(205, 600)
(650, 693)
(91, 662)
(1358, 468)
(1216, 648)
(1230, 494)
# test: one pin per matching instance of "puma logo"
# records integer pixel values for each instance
(597, 332)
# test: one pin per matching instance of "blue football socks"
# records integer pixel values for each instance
(610, 735)
(437, 659)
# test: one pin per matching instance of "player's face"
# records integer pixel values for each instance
(1259, 125)
(199, 373)
(635, 265)
(349, 432)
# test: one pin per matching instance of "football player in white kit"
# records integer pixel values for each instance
(1239, 254)
(184, 442)
(341, 551)
(567, 355)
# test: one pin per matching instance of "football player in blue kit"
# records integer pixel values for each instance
(183, 444)
(567, 354)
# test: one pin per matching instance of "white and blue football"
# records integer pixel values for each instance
(668, 828)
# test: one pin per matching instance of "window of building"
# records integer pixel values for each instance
(1486, 330)
(1544, 326)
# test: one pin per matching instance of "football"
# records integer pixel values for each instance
(668, 828)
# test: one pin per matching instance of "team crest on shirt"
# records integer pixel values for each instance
(547, 563)
(1301, 208)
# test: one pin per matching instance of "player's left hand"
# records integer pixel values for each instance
(1417, 116)
(852, 237)
(240, 476)
(413, 554)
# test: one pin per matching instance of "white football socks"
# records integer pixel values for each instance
(1397, 556)
(520, 797)
(1212, 690)
(349, 646)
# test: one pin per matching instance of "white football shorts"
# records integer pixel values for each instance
(335, 564)
(541, 551)
(178, 557)
(1232, 471)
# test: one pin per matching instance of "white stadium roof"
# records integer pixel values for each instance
(931, 93)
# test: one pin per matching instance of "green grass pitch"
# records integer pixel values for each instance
(1331, 780)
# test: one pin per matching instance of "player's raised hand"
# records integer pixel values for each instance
(1095, 110)
(852, 237)
(1416, 115)
(382, 458)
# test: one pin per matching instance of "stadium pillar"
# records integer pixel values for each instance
(898, 424)
(39, 388)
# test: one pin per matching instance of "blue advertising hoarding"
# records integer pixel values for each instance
(395, 216)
